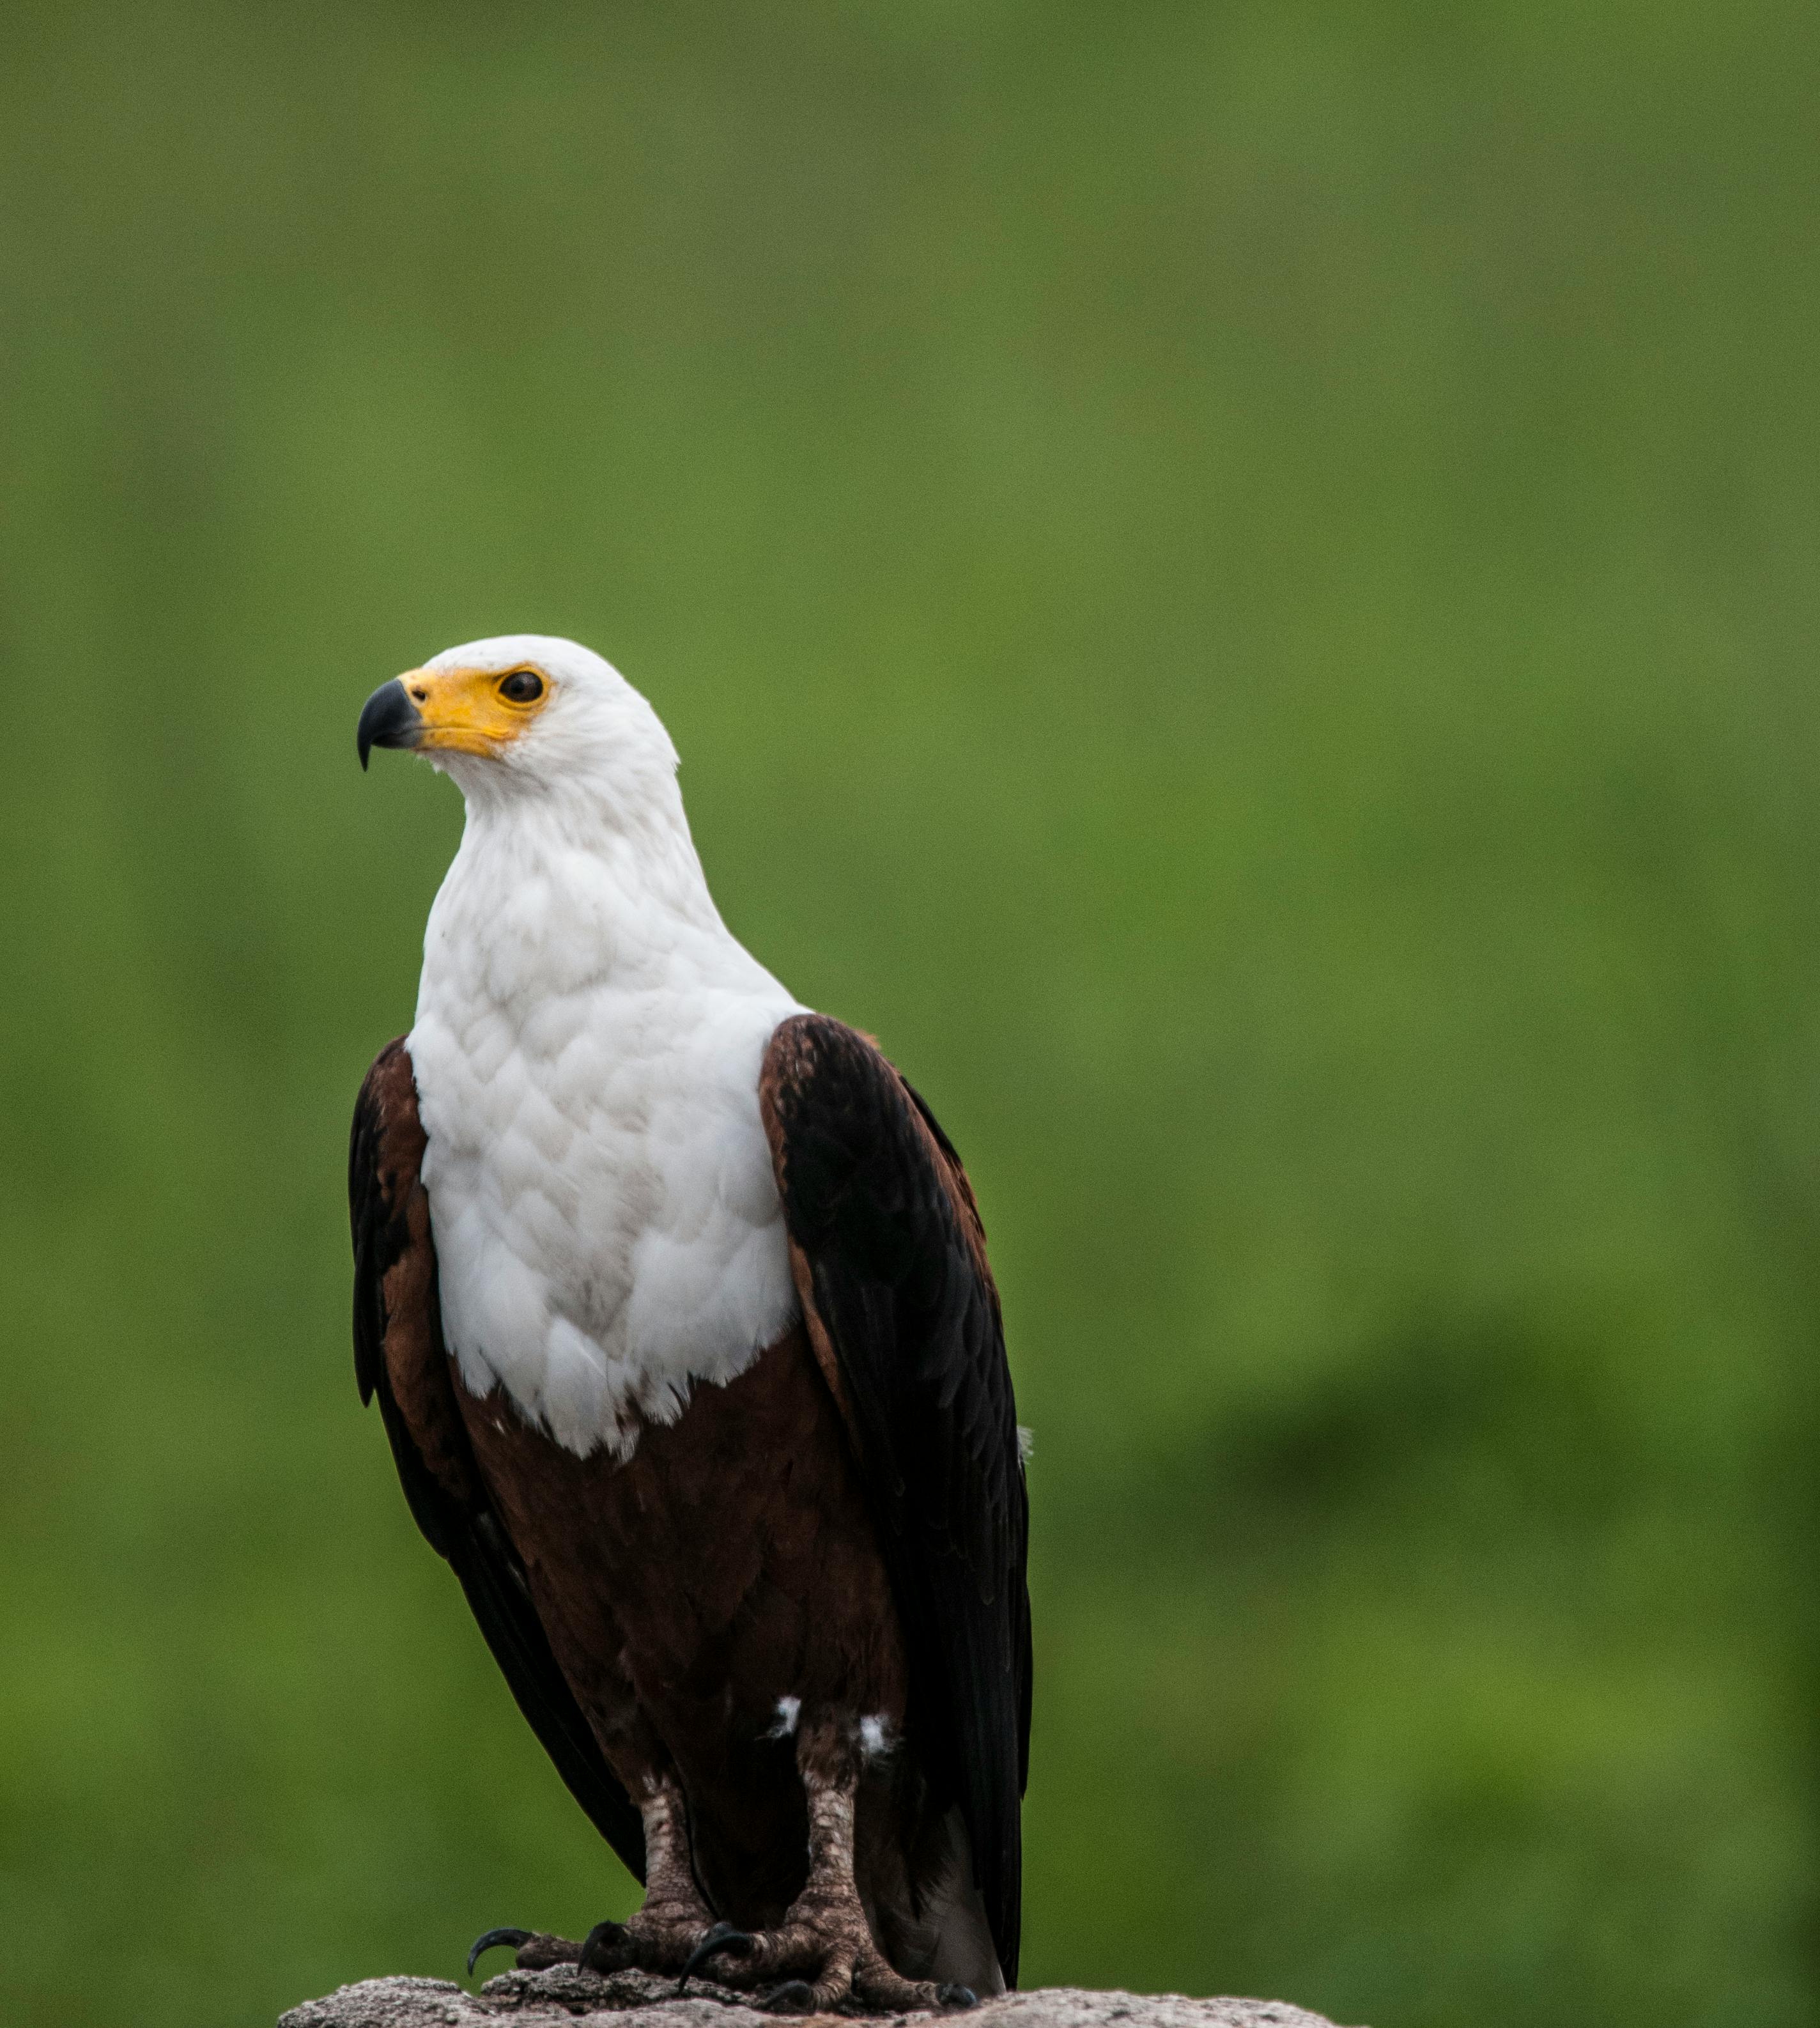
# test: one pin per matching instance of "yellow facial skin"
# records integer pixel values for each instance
(475, 710)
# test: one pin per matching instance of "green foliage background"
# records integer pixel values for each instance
(1239, 584)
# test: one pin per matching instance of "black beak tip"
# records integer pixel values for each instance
(388, 718)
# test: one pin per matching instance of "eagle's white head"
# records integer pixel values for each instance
(585, 1053)
(530, 715)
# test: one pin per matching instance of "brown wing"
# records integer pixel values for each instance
(399, 1355)
(890, 1260)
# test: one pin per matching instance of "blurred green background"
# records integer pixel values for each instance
(1239, 584)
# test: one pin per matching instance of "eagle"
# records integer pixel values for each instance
(674, 1299)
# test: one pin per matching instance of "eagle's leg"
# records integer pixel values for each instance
(670, 1924)
(675, 1915)
(823, 1950)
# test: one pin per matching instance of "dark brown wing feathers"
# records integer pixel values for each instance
(889, 1257)
(399, 1355)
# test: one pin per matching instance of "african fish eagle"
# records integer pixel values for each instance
(675, 1300)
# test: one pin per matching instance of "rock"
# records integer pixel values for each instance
(564, 1995)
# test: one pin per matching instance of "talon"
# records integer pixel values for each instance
(722, 1936)
(795, 1996)
(602, 1950)
(955, 1999)
(494, 1939)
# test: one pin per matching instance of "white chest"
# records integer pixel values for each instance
(607, 1225)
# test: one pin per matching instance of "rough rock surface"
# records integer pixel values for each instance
(564, 1995)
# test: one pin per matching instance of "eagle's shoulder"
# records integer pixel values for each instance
(819, 1072)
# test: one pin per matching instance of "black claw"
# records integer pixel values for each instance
(956, 1999)
(600, 1948)
(722, 1936)
(795, 1996)
(494, 1939)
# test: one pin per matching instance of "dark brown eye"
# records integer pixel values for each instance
(522, 686)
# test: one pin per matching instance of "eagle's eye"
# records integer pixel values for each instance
(522, 686)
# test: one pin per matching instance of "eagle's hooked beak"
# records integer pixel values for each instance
(390, 717)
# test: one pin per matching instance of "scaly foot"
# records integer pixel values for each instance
(665, 1940)
(821, 1957)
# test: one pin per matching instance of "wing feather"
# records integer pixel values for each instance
(889, 1257)
(400, 1356)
